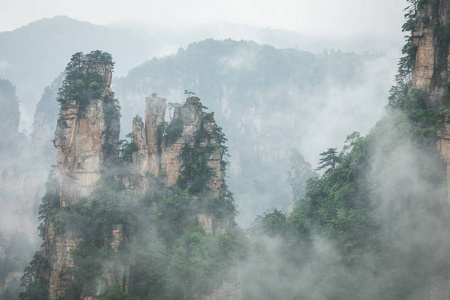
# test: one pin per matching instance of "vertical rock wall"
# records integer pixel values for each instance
(432, 74)
(159, 152)
(432, 69)
(148, 140)
(85, 140)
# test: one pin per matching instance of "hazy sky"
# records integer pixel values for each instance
(338, 17)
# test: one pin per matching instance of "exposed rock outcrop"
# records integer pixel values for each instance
(431, 74)
(160, 146)
(96, 194)
(431, 69)
(9, 113)
(86, 141)
(87, 145)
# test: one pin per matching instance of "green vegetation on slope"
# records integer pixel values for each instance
(163, 252)
(260, 95)
(378, 213)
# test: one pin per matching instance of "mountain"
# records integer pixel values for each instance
(269, 101)
(110, 206)
(153, 216)
(375, 224)
(34, 55)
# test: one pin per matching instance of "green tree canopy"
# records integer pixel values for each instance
(329, 160)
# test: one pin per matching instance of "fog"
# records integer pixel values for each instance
(409, 233)
(292, 75)
(162, 28)
(345, 18)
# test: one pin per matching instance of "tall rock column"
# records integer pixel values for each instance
(155, 112)
(86, 139)
(431, 67)
(431, 71)
(431, 74)
(160, 147)
(148, 140)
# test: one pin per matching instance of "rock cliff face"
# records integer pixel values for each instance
(431, 74)
(10, 108)
(160, 146)
(86, 141)
(431, 70)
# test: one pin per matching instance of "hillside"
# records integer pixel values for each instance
(151, 217)
(375, 224)
(269, 101)
(34, 55)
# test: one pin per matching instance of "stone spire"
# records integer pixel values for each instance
(160, 147)
(86, 140)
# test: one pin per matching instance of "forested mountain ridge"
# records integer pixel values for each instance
(265, 113)
(271, 169)
(268, 101)
(375, 224)
(152, 218)
(35, 54)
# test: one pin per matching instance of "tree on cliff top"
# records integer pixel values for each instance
(81, 85)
